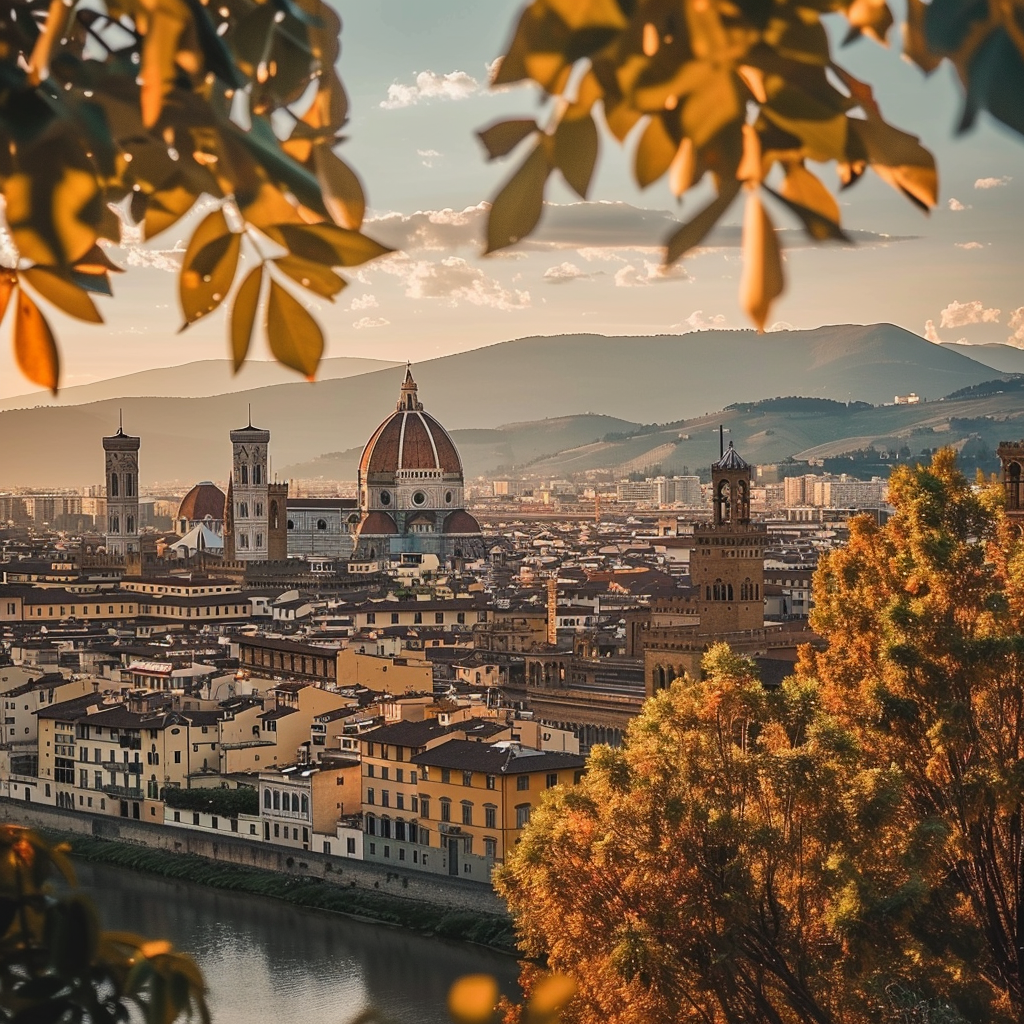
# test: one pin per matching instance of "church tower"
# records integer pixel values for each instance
(1011, 455)
(249, 492)
(727, 558)
(121, 457)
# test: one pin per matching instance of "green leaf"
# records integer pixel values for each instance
(243, 315)
(309, 274)
(63, 293)
(207, 273)
(517, 207)
(501, 138)
(694, 231)
(576, 151)
(294, 336)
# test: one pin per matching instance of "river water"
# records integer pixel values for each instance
(266, 961)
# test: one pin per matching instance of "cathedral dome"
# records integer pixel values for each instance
(409, 440)
(205, 500)
(461, 522)
(378, 524)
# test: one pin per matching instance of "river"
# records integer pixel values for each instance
(268, 961)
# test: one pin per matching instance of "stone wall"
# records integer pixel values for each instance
(435, 890)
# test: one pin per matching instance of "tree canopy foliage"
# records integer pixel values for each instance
(126, 115)
(845, 848)
(227, 802)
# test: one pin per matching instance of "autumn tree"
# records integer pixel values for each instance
(130, 115)
(924, 665)
(737, 861)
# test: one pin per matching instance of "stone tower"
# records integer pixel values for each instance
(277, 522)
(249, 492)
(121, 456)
(727, 558)
(1011, 455)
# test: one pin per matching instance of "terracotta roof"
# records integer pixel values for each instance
(461, 522)
(377, 524)
(205, 499)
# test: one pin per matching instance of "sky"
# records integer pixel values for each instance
(416, 73)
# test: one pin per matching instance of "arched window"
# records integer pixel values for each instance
(273, 515)
(321, 524)
(305, 804)
(266, 799)
(257, 474)
(245, 474)
(277, 800)
(728, 590)
(113, 485)
(130, 527)
(115, 525)
(129, 485)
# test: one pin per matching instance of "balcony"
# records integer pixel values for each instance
(124, 792)
(131, 742)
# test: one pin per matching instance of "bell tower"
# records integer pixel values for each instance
(1011, 455)
(727, 558)
(121, 457)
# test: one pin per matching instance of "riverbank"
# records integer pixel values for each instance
(425, 905)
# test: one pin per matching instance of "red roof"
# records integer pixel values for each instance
(377, 524)
(410, 439)
(461, 522)
(203, 500)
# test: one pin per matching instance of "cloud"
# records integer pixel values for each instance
(565, 272)
(697, 321)
(648, 272)
(956, 206)
(930, 333)
(779, 325)
(370, 321)
(364, 302)
(1017, 326)
(960, 314)
(993, 182)
(597, 230)
(429, 85)
(428, 156)
(454, 280)
(969, 245)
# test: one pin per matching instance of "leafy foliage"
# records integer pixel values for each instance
(682, 76)
(227, 802)
(131, 115)
(737, 861)
(57, 964)
(925, 665)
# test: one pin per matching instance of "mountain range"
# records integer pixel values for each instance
(507, 404)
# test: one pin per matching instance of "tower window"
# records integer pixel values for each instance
(385, 498)
(113, 485)
(129, 486)
(245, 474)
(257, 474)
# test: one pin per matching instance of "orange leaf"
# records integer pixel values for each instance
(34, 347)
(762, 262)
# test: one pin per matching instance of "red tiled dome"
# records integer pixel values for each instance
(461, 522)
(410, 439)
(205, 499)
(377, 524)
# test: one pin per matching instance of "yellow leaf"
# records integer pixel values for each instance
(158, 947)
(8, 282)
(805, 189)
(899, 159)
(243, 315)
(501, 138)
(309, 274)
(693, 232)
(517, 207)
(763, 280)
(550, 997)
(709, 109)
(915, 44)
(589, 14)
(682, 170)
(209, 266)
(269, 206)
(157, 72)
(65, 295)
(167, 207)
(872, 17)
(327, 244)
(294, 336)
(471, 1000)
(34, 347)
(576, 151)
(654, 152)
(751, 166)
(343, 193)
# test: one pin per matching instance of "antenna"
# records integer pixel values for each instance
(250, 414)
(721, 441)
(120, 421)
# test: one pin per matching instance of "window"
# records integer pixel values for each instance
(266, 799)
(400, 801)
(417, 618)
(446, 810)
(113, 485)
(460, 618)
(490, 816)
(490, 848)
(467, 778)
(371, 618)
(370, 797)
(446, 775)
(522, 782)
(370, 769)
(467, 813)
(177, 757)
(491, 781)
(552, 780)
(321, 524)
(424, 807)
(394, 618)
(371, 825)
(350, 845)
(522, 815)
(257, 474)
(400, 772)
(438, 618)
(385, 772)
(385, 798)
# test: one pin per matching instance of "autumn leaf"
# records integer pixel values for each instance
(575, 151)
(472, 999)
(517, 207)
(762, 280)
(34, 347)
(343, 193)
(208, 268)
(294, 337)
(501, 138)
(63, 293)
(243, 315)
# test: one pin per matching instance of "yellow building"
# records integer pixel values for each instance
(384, 675)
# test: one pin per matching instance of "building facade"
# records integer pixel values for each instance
(121, 458)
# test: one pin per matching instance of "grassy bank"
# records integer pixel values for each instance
(486, 929)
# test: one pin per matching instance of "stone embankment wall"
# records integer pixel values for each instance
(408, 886)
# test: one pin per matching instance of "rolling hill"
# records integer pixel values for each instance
(635, 379)
(1004, 358)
